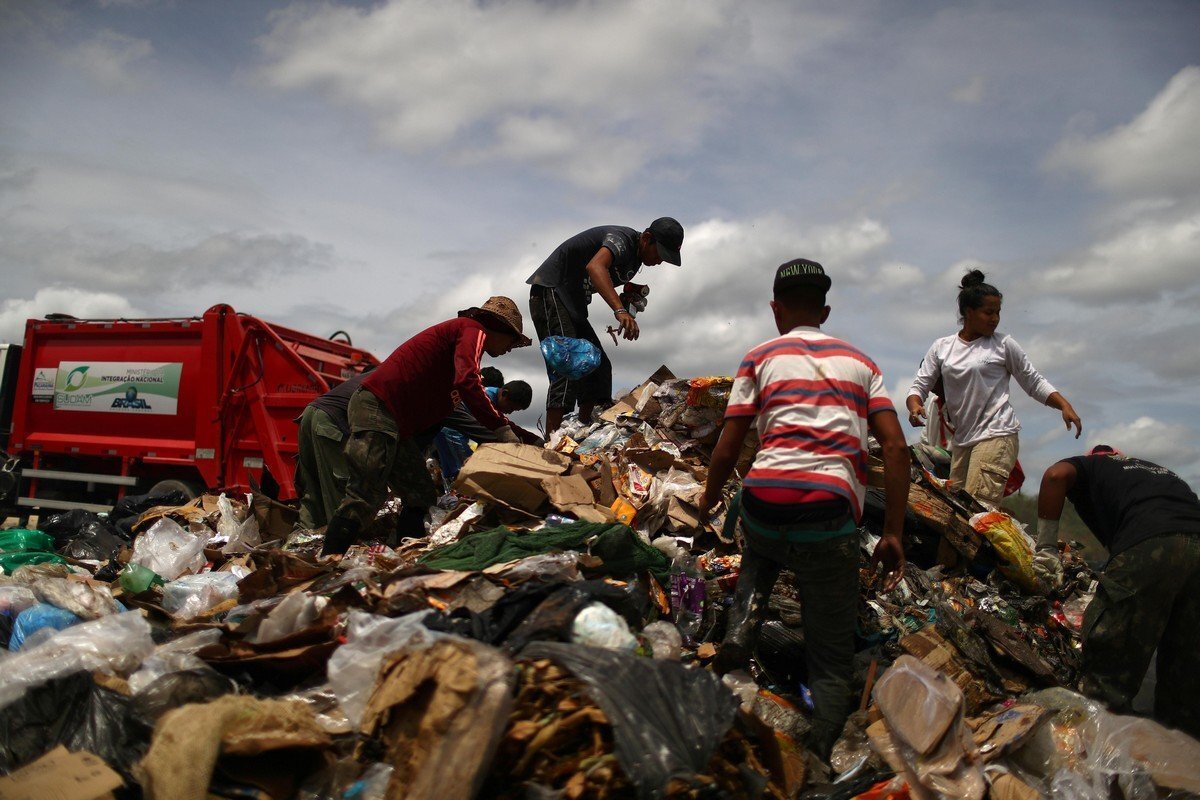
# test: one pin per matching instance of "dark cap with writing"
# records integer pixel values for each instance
(668, 235)
(801, 272)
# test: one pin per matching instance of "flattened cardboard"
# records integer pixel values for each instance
(62, 775)
(511, 475)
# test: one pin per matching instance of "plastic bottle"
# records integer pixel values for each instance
(687, 595)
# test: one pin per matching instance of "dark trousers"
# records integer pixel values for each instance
(827, 580)
(551, 318)
(320, 468)
(378, 457)
(1149, 597)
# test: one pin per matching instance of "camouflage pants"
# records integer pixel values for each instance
(320, 468)
(1149, 597)
(377, 457)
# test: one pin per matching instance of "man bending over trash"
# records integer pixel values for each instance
(814, 398)
(460, 428)
(1149, 593)
(595, 261)
(412, 391)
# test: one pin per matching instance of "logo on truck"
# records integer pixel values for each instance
(131, 400)
(75, 379)
(119, 387)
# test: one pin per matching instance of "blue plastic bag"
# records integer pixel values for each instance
(36, 618)
(573, 359)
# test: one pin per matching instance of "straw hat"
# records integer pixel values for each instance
(500, 313)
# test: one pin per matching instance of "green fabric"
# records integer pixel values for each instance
(622, 551)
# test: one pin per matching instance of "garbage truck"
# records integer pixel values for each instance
(94, 409)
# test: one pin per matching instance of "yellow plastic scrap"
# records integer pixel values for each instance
(701, 390)
(1011, 545)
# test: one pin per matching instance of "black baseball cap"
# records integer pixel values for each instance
(801, 272)
(668, 236)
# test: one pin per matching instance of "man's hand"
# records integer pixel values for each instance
(629, 326)
(889, 558)
(505, 435)
(708, 501)
(1048, 569)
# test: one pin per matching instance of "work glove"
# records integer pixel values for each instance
(505, 435)
(1048, 569)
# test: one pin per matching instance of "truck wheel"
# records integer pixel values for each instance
(190, 490)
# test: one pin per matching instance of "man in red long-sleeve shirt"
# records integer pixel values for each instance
(410, 393)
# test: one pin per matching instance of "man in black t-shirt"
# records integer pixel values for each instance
(594, 262)
(1149, 593)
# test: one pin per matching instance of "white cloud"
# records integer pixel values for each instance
(970, 93)
(109, 58)
(588, 92)
(60, 300)
(1154, 154)
(1141, 261)
(1173, 445)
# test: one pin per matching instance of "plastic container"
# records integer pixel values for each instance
(688, 595)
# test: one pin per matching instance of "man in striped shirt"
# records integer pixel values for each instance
(815, 398)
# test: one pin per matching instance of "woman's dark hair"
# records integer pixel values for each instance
(973, 291)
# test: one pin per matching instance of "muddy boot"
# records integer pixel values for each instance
(339, 535)
(755, 581)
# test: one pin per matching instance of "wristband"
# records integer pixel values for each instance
(621, 311)
(1047, 533)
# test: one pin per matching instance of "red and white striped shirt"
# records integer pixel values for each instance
(812, 394)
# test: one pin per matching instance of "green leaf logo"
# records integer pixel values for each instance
(76, 378)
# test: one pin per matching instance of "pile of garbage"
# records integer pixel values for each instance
(551, 636)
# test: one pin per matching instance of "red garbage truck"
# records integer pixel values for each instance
(93, 409)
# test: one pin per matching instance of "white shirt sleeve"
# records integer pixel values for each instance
(927, 373)
(1028, 378)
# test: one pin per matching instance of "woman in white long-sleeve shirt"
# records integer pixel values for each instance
(975, 365)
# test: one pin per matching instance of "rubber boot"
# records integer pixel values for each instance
(410, 523)
(340, 533)
(755, 581)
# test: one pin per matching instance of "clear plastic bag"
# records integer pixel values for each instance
(177, 655)
(85, 600)
(112, 644)
(239, 531)
(545, 567)
(169, 550)
(295, 613)
(15, 598)
(354, 666)
(191, 595)
(598, 625)
(1083, 748)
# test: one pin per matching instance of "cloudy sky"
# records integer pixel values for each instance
(374, 167)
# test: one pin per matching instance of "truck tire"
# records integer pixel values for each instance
(190, 489)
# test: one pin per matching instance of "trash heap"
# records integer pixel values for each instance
(550, 636)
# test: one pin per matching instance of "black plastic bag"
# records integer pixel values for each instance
(176, 689)
(68, 525)
(667, 720)
(75, 712)
(129, 508)
(97, 541)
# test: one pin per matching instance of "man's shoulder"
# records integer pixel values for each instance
(811, 343)
(620, 240)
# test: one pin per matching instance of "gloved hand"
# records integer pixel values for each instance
(505, 435)
(1048, 569)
